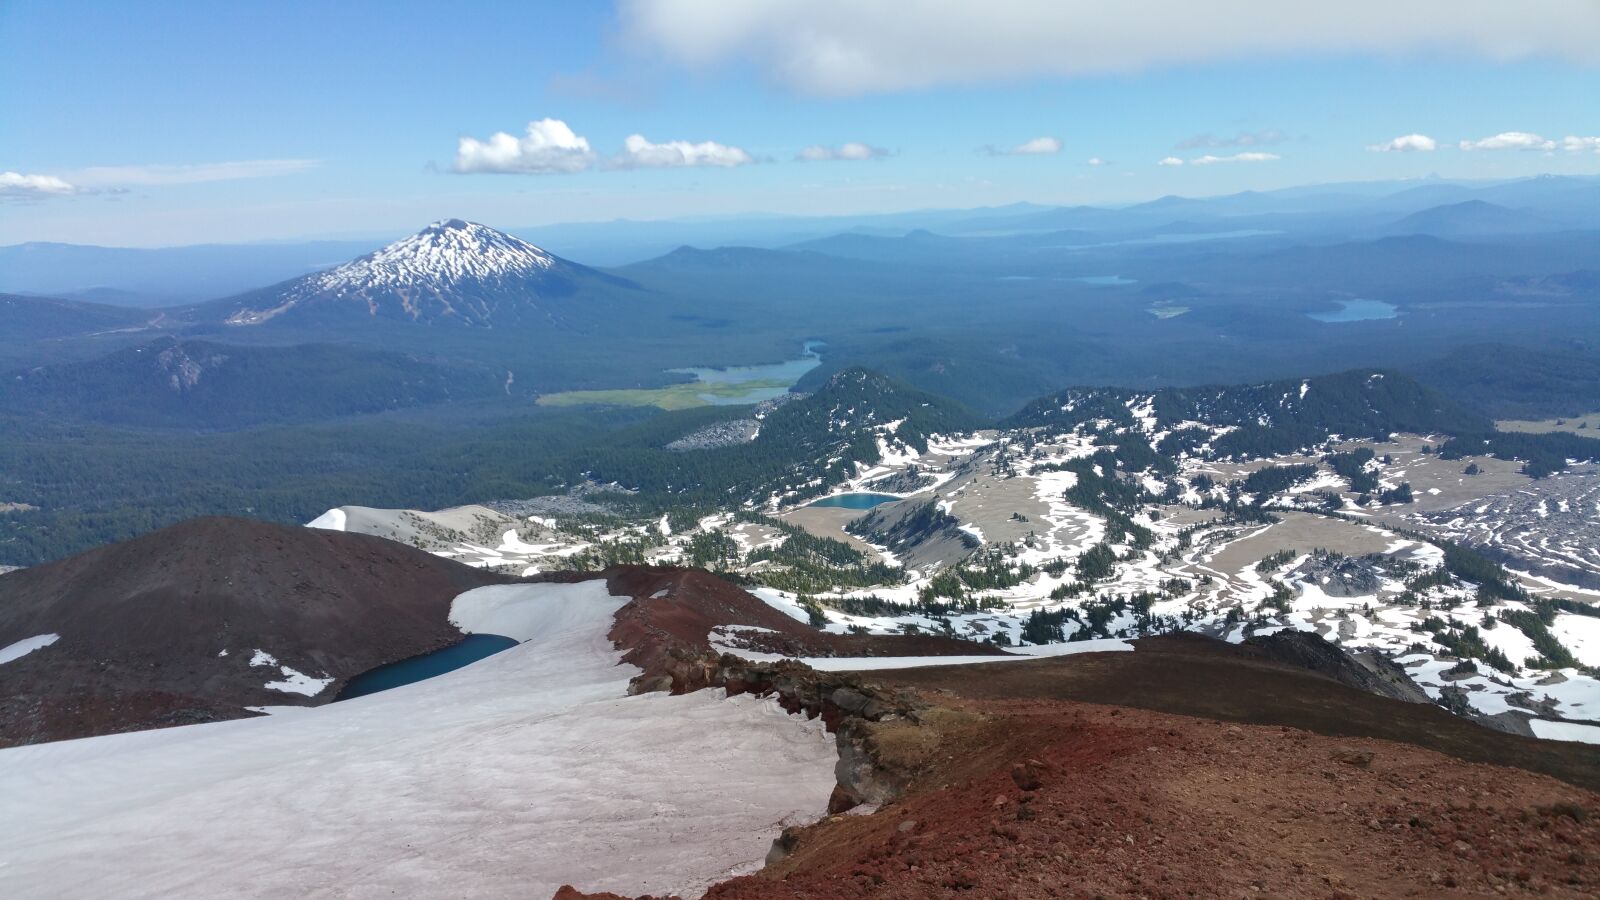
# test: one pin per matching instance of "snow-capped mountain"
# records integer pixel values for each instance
(451, 271)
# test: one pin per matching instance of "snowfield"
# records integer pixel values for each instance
(509, 777)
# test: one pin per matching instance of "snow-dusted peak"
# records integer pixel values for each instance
(444, 254)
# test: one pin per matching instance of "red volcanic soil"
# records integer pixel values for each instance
(1034, 798)
(142, 623)
(674, 611)
(1241, 776)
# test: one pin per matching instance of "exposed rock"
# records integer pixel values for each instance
(720, 434)
(918, 531)
(1365, 670)
(1028, 775)
(1343, 576)
(1361, 759)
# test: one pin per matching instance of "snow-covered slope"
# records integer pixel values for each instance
(509, 777)
(450, 271)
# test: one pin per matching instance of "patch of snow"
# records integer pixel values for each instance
(332, 520)
(25, 646)
(299, 683)
(1565, 731)
(509, 777)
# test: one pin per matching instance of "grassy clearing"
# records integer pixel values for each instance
(673, 396)
(1585, 425)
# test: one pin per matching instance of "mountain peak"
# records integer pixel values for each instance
(446, 253)
(452, 269)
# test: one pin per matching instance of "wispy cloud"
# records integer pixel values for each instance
(548, 146)
(15, 187)
(119, 179)
(1510, 140)
(1251, 157)
(1574, 144)
(1264, 138)
(1096, 161)
(1170, 161)
(853, 151)
(1406, 143)
(1036, 148)
(197, 173)
(842, 47)
(640, 153)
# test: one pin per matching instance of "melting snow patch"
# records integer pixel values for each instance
(298, 683)
(509, 777)
(1565, 731)
(25, 646)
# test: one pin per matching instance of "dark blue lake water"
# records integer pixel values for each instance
(856, 501)
(471, 649)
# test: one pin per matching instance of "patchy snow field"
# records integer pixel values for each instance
(508, 777)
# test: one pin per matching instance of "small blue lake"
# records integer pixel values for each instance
(1358, 311)
(407, 671)
(855, 501)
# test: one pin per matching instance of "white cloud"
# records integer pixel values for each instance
(1170, 161)
(850, 152)
(1209, 160)
(1523, 140)
(17, 186)
(1510, 140)
(1096, 161)
(1243, 139)
(548, 147)
(198, 173)
(639, 153)
(863, 46)
(1039, 146)
(1406, 143)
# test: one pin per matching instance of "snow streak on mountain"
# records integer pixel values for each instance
(451, 270)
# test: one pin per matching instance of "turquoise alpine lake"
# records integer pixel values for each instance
(469, 650)
(855, 501)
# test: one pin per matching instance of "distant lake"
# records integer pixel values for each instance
(766, 381)
(1103, 279)
(472, 648)
(855, 501)
(1358, 311)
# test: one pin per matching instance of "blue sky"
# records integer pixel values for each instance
(167, 123)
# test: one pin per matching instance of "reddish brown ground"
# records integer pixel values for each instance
(142, 623)
(674, 609)
(1121, 802)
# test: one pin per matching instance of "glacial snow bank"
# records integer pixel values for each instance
(508, 777)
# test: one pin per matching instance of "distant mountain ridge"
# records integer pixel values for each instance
(452, 272)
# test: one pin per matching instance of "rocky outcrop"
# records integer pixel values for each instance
(918, 531)
(665, 631)
(1365, 670)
